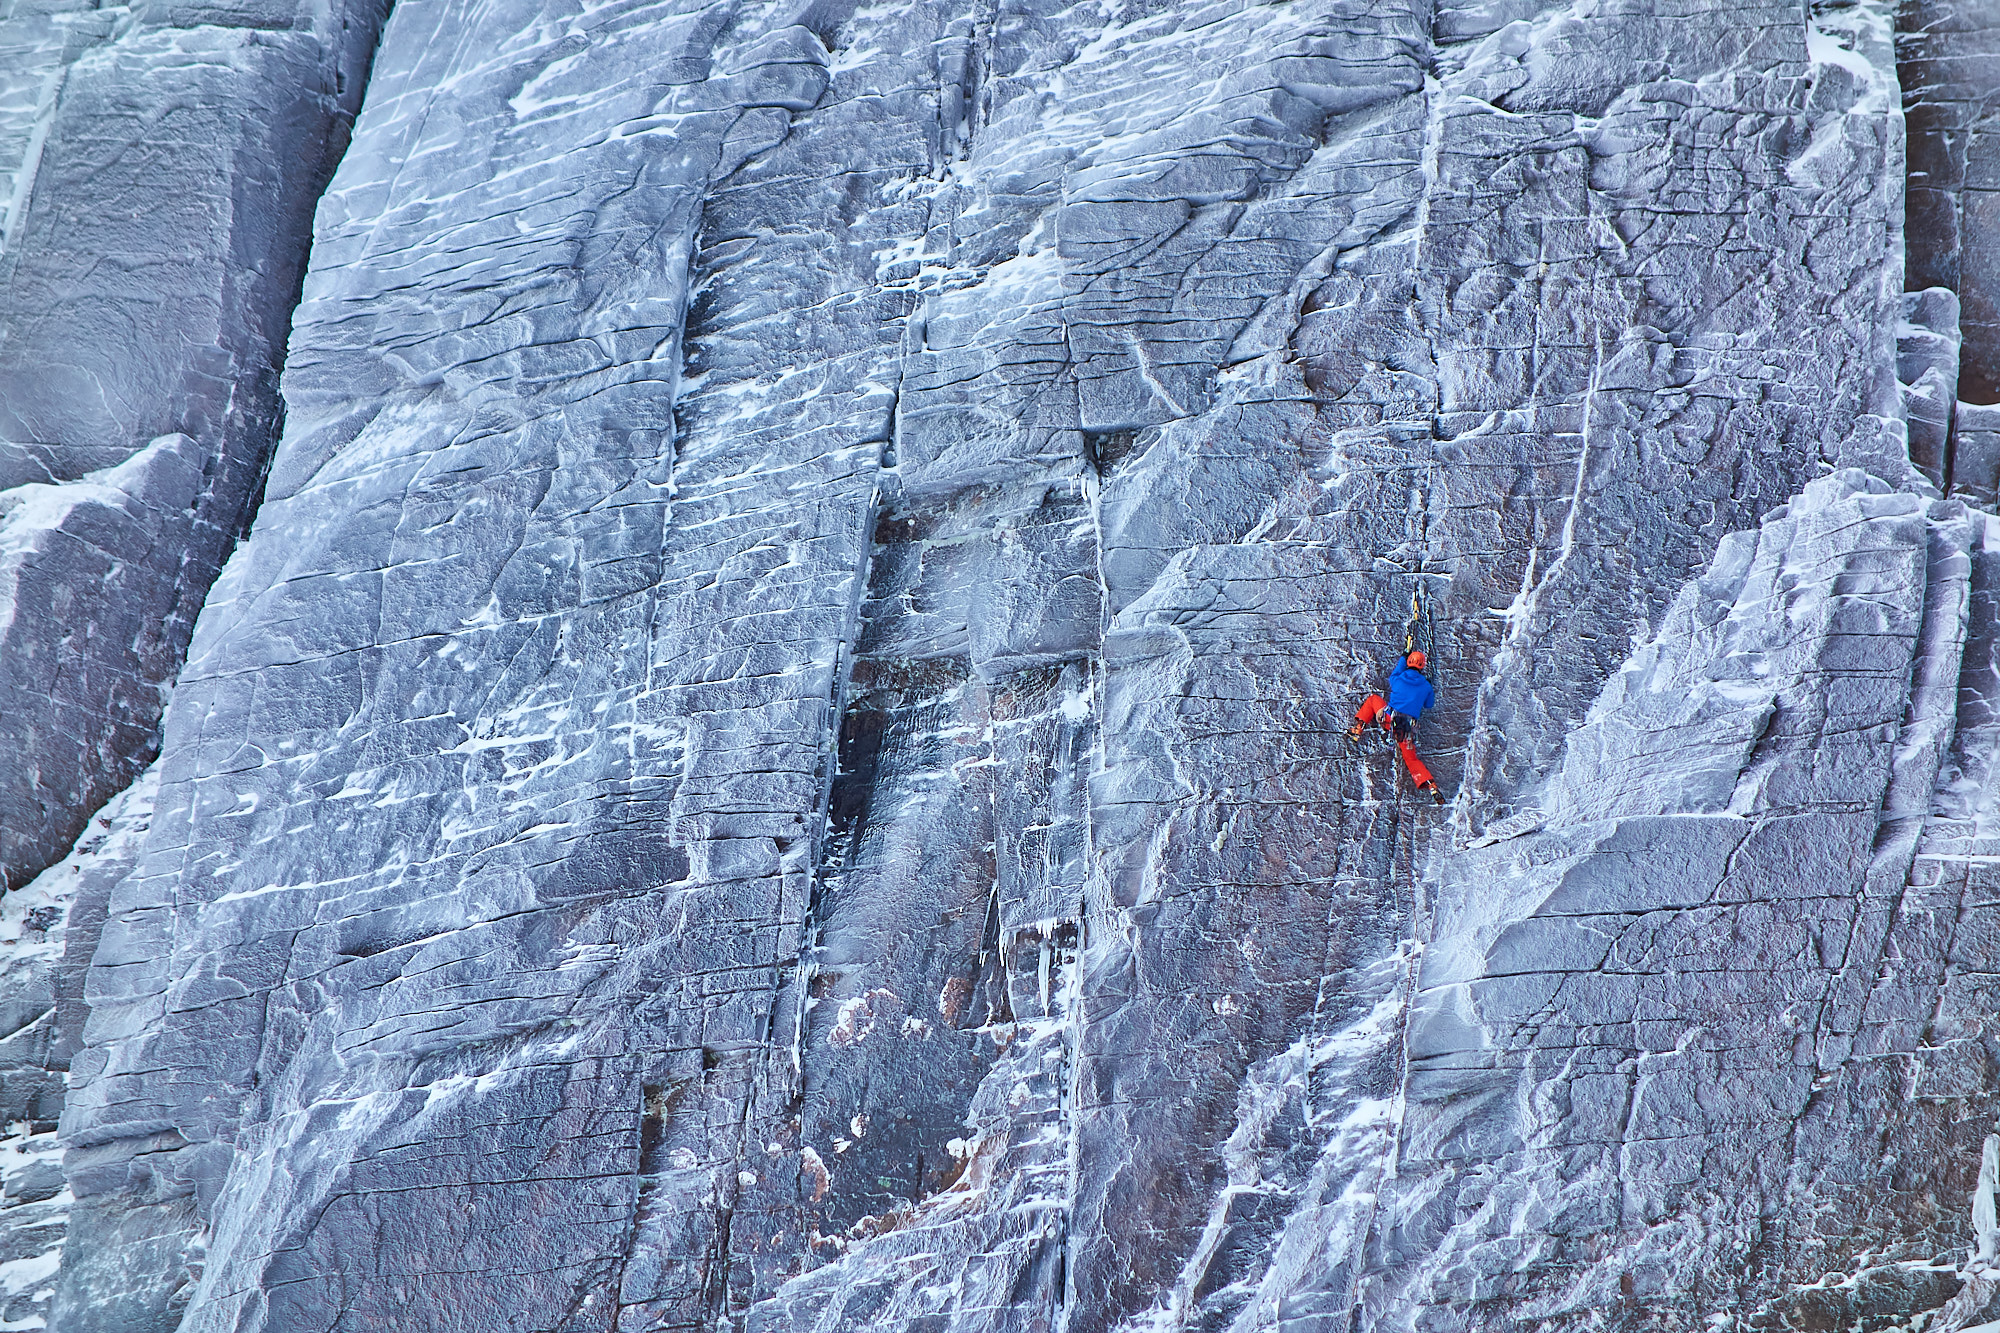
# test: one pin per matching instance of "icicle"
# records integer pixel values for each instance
(1985, 1225)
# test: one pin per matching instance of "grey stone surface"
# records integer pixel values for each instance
(95, 605)
(48, 931)
(1595, 1148)
(773, 757)
(1949, 55)
(1976, 452)
(159, 167)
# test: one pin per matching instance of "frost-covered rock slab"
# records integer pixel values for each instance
(1644, 1037)
(48, 931)
(95, 604)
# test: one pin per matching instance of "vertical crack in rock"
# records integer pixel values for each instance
(1950, 354)
(966, 669)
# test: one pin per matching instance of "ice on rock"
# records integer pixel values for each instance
(93, 610)
(159, 164)
(772, 757)
(48, 928)
(1554, 1066)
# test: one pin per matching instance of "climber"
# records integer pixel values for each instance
(1409, 695)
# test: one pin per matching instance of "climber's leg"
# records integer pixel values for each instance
(1373, 707)
(1419, 774)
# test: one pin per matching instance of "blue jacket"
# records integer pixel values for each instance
(1409, 693)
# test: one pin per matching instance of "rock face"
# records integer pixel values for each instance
(159, 165)
(1736, 820)
(772, 758)
(1950, 59)
(49, 928)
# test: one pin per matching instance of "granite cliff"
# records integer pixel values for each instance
(682, 665)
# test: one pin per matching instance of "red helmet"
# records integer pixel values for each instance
(1417, 659)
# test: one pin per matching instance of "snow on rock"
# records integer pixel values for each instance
(93, 611)
(159, 164)
(1660, 1048)
(48, 929)
(773, 756)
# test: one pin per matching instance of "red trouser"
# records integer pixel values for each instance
(1375, 708)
